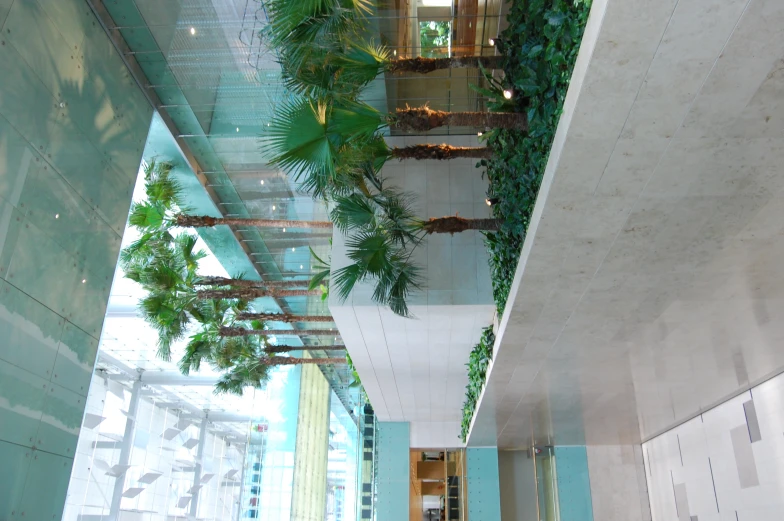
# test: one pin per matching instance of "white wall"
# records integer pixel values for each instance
(414, 369)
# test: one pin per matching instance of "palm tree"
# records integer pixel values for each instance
(166, 267)
(289, 349)
(384, 232)
(440, 152)
(365, 61)
(320, 140)
(242, 331)
(287, 360)
(284, 317)
(206, 221)
(245, 283)
(422, 119)
(245, 293)
(163, 209)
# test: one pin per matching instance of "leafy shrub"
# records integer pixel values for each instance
(540, 45)
(477, 364)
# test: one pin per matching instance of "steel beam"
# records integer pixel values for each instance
(125, 450)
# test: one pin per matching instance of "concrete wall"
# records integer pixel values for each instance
(414, 369)
(72, 130)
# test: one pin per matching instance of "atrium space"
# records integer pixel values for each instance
(391, 260)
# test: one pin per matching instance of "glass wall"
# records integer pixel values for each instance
(437, 29)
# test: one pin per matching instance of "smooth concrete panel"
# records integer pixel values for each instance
(72, 130)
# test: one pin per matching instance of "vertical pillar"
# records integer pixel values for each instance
(125, 449)
(198, 468)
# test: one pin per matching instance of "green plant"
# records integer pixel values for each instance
(478, 361)
(541, 46)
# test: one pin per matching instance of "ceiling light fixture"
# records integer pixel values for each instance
(273, 207)
(193, 30)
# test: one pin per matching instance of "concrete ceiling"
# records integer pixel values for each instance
(651, 283)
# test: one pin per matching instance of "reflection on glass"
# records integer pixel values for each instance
(435, 38)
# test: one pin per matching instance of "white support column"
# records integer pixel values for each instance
(125, 449)
(198, 468)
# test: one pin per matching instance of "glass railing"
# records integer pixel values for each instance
(546, 483)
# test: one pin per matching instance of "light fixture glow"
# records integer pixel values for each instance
(491, 41)
(508, 93)
(262, 181)
(284, 230)
(273, 206)
(490, 201)
(394, 52)
(193, 30)
(84, 280)
(293, 249)
(479, 133)
(238, 129)
(300, 266)
(57, 216)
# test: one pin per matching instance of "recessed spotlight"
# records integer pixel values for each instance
(57, 216)
(193, 30)
(273, 206)
(284, 230)
(300, 266)
(262, 181)
(293, 249)
(508, 93)
(84, 281)
(238, 129)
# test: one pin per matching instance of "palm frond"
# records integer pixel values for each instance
(354, 211)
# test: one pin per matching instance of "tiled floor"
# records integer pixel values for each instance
(724, 465)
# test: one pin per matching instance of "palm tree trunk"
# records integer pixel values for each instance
(254, 293)
(441, 152)
(204, 221)
(241, 331)
(424, 65)
(421, 119)
(243, 283)
(287, 360)
(284, 317)
(289, 349)
(458, 224)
